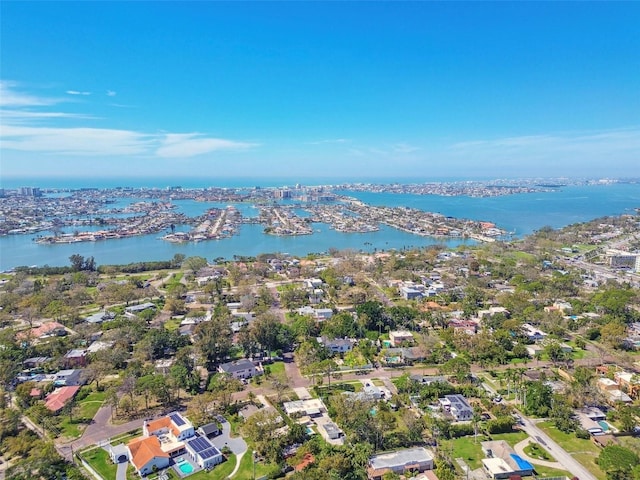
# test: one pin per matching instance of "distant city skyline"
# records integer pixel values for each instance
(327, 89)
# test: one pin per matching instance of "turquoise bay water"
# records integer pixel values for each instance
(522, 214)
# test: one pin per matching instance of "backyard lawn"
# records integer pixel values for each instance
(470, 451)
(99, 459)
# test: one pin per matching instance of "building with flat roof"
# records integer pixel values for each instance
(417, 459)
(312, 407)
(398, 337)
(502, 461)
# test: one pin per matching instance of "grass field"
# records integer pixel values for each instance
(220, 472)
(99, 459)
(584, 451)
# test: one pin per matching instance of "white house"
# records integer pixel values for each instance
(337, 345)
(146, 454)
(203, 452)
(240, 369)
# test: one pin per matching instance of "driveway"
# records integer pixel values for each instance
(519, 448)
(121, 473)
(236, 444)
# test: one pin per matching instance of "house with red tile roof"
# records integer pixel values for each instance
(48, 329)
(57, 399)
(146, 454)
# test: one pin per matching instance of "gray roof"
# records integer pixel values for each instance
(237, 365)
(408, 456)
(331, 427)
(209, 428)
(140, 308)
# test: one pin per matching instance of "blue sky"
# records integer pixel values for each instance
(328, 89)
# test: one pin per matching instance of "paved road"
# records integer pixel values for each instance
(562, 456)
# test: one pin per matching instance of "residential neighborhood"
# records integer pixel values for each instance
(495, 361)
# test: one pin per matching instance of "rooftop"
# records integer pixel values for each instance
(407, 456)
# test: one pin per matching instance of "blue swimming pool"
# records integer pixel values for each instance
(522, 463)
(604, 425)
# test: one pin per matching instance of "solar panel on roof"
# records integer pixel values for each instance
(210, 452)
(200, 444)
(177, 419)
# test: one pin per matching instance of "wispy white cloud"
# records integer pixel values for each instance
(323, 142)
(27, 115)
(608, 152)
(405, 148)
(75, 141)
(111, 93)
(10, 97)
(25, 127)
(76, 92)
(192, 144)
(551, 144)
(121, 105)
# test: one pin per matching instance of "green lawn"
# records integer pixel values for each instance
(83, 413)
(534, 450)
(584, 451)
(125, 437)
(172, 324)
(510, 438)
(99, 459)
(469, 450)
(246, 468)
(277, 369)
(551, 472)
(220, 472)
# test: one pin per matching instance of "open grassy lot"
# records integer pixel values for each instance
(584, 451)
(469, 450)
(99, 460)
